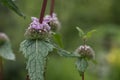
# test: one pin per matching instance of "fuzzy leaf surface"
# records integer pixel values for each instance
(65, 53)
(36, 53)
(6, 51)
(82, 65)
(11, 5)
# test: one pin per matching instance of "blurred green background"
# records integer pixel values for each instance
(102, 15)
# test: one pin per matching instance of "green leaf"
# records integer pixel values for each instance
(36, 53)
(57, 38)
(65, 53)
(6, 51)
(82, 65)
(81, 32)
(11, 5)
(90, 33)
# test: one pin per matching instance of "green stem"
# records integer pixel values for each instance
(1, 69)
(45, 69)
(43, 10)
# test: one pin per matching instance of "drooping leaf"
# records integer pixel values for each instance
(36, 53)
(82, 65)
(57, 38)
(81, 32)
(6, 51)
(11, 5)
(63, 52)
(90, 33)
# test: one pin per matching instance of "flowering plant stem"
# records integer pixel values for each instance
(43, 10)
(83, 76)
(1, 69)
(52, 7)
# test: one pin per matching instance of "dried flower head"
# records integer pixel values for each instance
(37, 30)
(86, 51)
(53, 22)
(3, 38)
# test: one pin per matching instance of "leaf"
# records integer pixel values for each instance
(6, 51)
(82, 65)
(11, 5)
(81, 32)
(36, 52)
(90, 33)
(57, 38)
(65, 53)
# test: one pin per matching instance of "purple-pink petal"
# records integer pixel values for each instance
(38, 26)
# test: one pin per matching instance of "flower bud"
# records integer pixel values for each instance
(37, 30)
(53, 22)
(3, 38)
(86, 51)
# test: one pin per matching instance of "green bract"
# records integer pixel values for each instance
(36, 34)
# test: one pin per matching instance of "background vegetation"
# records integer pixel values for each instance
(102, 15)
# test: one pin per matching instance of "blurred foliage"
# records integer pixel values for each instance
(11, 5)
(101, 15)
(114, 56)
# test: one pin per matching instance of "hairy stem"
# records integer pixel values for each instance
(45, 69)
(1, 69)
(52, 7)
(43, 10)
(83, 76)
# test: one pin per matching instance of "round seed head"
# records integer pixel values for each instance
(86, 51)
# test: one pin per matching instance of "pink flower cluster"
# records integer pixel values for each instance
(38, 30)
(39, 26)
(49, 18)
(86, 51)
(53, 22)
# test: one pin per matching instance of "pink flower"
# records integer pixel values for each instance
(38, 26)
(52, 21)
